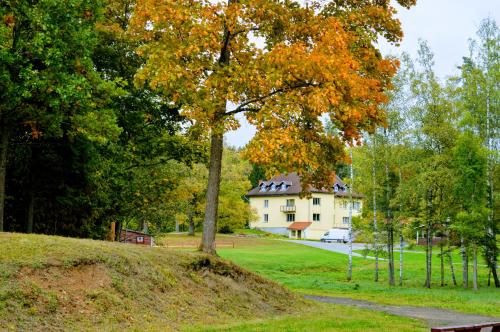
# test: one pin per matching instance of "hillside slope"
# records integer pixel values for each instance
(73, 284)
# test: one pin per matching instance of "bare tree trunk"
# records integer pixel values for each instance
(441, 256)
(4, 145)
(390, 249)
(401, 239)
(465, 263)
(212, 202)
(349, 268)
(451, 268)
(474, 274)
(401, 257)
(428, 272)
(390, 226)
(31, 205)
(191, 226)
(375, 226)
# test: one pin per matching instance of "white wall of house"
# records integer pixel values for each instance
(331, 212)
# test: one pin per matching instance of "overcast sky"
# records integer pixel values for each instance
(447, 25)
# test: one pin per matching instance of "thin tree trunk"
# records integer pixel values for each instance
(390, 230)
(401, 239)
(31, 205)
(4, 145)
(349, 269)
(375, 226)
(451, 268)
(474, 274)
(465, 264)
(428, 272)
(441, 256)
(212, 201)
(390, 249)
(401, 257)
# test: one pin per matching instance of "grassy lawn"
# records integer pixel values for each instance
(55, 283)
(323, 317)
(315, 271)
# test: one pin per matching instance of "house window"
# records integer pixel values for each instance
(357, 206)
(266, 217)
(345, 204)
(290, 217)
(316, 201)
(290, 202)
(345, 220)
(316, 217)
(266, 203)
(140, 239)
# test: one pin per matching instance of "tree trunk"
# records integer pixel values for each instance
(375, 226)
(451, 268)
(441, 256)
(191, 226)
(474, 271)
(401, 257)
(349, 268)
(495, 275)
(212, 201)
(31, 205)
(465, 264)
(428, 272)
(390, 252)
(401, 239)
(4, 145)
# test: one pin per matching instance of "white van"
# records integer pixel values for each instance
(336, 234)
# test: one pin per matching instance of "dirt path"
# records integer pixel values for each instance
(433, 316)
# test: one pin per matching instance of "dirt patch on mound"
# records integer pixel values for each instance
(67, 288)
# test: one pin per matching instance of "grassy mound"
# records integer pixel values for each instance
(58, 283)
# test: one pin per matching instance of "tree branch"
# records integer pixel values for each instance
(243, 106)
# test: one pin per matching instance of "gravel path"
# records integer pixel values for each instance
(433, 316)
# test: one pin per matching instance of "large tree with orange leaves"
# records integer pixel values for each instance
(282, 63)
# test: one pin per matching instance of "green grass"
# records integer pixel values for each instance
(315, 271)
(325, 318)
(56, 283)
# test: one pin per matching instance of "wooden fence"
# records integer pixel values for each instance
(197, 245)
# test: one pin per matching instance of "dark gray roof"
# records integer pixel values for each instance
(290, 184)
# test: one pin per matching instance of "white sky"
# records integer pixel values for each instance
(447, 25)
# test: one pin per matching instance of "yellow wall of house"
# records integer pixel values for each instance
(331, 209)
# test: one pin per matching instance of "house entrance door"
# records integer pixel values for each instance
(299, 234)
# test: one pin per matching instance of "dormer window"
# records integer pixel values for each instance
(273, 187)
(262, 187)
(284, 187)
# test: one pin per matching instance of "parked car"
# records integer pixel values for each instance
(336, 234)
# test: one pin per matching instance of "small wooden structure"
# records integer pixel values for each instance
(136, 237)
(468, 328)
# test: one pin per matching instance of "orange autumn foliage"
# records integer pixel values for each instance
(283, 64)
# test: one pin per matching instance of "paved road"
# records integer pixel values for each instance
(433, 316)
(336, 247)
